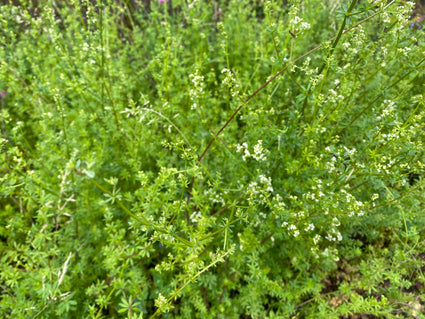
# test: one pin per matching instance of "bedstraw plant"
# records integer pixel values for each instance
(212, 159)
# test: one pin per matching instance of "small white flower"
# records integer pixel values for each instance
(309, 227)
(259, 151)
(198, 83)
(316, 239)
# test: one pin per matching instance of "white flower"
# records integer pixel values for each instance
(259, 152)
(229, 81)
(266, 181)
(198, 88)
(295, 20)
(309, 227)
(195, 216)
(160, 301)
(316, 239)
(335, 222)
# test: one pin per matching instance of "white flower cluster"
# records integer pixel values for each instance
(305, 67)
(339, 156)
(317, 191)
(292, 229)
(296, 24)
(389, 109)
(402, 13)
(404, 51)
(254, 189)
(260, 191)
(214, 196)
(405, 11)
(195, 216)
(229, 81)
(385, 165)
(278, 204)
(359, 38)
(259, 153)
(334, 97)
(266, 182)
(161, 302)
(316, 239)
(349, 152)
(85, 47)
(310, 227)
(316, 79)
(334, 235)
(356, 206)
(198, 88)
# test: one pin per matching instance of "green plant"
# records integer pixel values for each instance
(211, 159)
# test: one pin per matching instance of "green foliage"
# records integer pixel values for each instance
(221, 159)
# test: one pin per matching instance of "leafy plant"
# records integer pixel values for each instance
(211, 159)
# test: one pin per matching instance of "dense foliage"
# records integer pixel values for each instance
(212, 159)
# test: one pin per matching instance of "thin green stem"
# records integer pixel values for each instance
(325, 63)
(191, 279)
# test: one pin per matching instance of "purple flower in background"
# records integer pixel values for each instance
(416, 24)
(161, 1)
(3, 94)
